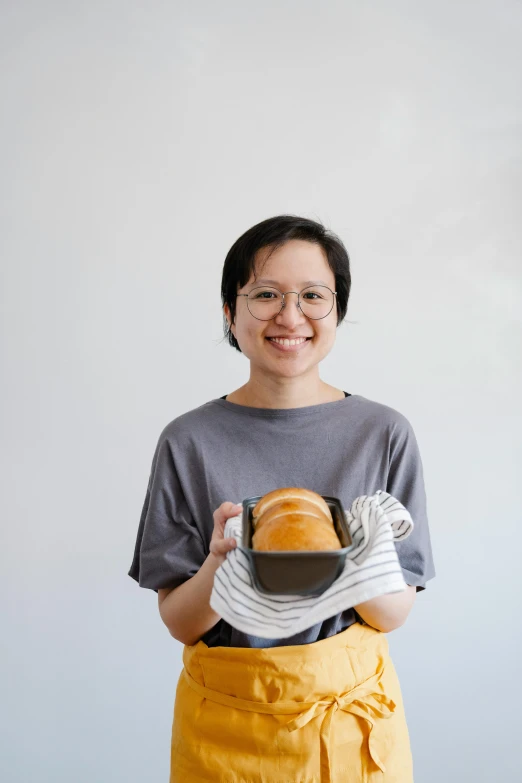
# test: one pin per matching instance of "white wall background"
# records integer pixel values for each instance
(138, 141)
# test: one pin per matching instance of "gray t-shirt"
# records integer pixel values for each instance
(223, 451)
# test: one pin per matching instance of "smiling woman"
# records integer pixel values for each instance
(282, 303)
(240, 702)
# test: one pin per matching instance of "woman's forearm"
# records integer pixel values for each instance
(388, 612)
(186, 610)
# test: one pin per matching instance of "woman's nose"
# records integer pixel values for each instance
(291, 312)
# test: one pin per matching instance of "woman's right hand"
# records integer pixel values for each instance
(219, 545)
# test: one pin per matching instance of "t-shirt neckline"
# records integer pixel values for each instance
(247, 410)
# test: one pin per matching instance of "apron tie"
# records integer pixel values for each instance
(365, 701)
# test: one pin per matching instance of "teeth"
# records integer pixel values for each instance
(288, 342)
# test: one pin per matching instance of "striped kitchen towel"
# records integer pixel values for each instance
(371, 569)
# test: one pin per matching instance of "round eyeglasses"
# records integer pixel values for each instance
(315, 302)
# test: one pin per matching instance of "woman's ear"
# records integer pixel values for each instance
(226, 310)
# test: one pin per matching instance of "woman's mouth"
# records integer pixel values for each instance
(288, 345)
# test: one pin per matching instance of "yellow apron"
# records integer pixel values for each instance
(326, 712)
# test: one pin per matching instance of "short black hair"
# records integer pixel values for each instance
(273, 232)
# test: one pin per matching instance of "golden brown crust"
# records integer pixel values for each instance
(295, 532)
(289, 493)
(285, 507)
(293, 518)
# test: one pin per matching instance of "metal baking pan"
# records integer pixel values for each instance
(296, 572)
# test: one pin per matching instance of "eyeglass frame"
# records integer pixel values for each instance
(298, 301)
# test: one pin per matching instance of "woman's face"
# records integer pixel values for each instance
(291, 267)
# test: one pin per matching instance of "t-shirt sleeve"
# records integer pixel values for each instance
(406, 483)
(169, 548)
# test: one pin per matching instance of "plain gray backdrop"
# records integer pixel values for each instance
(137, 142)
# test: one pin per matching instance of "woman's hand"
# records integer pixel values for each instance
(219, 545)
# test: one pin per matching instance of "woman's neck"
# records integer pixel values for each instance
(256, 395)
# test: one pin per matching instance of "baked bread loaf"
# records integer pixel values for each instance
(292, 519)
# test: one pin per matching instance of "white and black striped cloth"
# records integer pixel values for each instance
(371, 569)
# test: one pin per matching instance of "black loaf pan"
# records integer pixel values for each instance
(296, 573)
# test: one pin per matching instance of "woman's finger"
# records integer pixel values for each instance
(225, 511)
(222, 546)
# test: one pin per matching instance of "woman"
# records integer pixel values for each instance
(324, 705)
